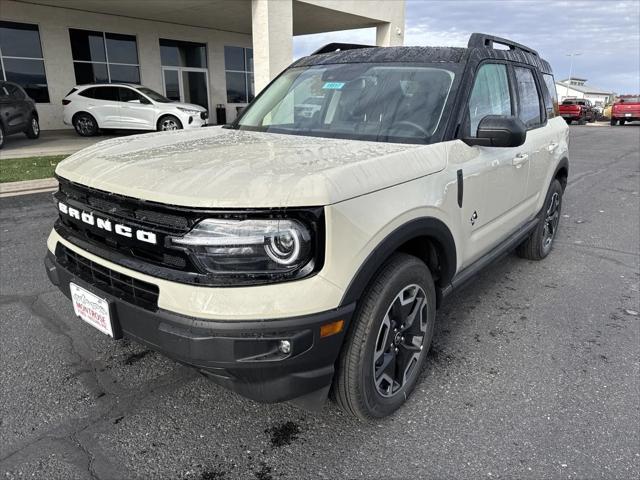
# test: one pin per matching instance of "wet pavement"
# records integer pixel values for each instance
(534, 371)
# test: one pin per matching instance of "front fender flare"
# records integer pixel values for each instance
(430, 227)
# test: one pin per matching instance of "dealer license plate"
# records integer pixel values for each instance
(627, 114)
(91, 308)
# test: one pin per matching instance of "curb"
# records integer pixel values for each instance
(11, 189)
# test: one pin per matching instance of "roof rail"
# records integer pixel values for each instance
(335, 47)
(482, 40)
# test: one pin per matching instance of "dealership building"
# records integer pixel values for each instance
(208, 52)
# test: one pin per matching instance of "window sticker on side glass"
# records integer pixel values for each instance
(333, 85)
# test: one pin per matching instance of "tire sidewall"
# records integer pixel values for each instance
(3, 136)
(379, 406)
(30, 131)
(555, 187)
(94, 128)
(174, 118)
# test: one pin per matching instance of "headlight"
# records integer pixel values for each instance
(250, 247)
(189, 111)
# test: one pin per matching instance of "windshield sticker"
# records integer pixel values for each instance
(333, 85)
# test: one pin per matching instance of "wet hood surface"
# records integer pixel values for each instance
(220, 168)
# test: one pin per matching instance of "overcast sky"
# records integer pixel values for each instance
(605, 32)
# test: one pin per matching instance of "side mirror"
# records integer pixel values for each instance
(499, 131)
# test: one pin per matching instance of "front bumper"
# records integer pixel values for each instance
(240, 355)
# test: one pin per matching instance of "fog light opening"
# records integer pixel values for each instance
(284, 346)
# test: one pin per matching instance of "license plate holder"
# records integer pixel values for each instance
(94, 310)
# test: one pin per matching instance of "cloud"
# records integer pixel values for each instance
(605, 32)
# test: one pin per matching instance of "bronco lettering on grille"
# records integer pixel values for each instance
(107, 225)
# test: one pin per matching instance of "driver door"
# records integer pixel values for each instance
(136, 111)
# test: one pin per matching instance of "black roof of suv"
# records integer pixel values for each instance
(479, 47)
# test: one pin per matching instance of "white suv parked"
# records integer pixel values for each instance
(125, 106)
(303, 250)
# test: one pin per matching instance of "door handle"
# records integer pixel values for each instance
(552, 146)
(519, 159)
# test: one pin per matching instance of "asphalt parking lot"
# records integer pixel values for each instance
(534, 371)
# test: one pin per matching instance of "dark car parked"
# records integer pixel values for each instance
(18, 112)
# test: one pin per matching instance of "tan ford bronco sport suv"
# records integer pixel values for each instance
(303, 250)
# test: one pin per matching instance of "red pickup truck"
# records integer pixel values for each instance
(579, 110)
(626, 109)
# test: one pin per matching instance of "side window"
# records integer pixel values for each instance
(106, 93)
(128, 95)
(89, 93)
(551, 96)
(14, 92)
(529, 98)
(490, 95)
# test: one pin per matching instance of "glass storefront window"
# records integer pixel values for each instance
(175, 53)
(100, 57)
(21, 59)
(238, 62)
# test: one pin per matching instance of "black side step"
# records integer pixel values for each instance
(463, 277)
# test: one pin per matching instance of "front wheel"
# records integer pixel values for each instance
(33, 130)
(538, 245)
(388, 340)
(169, 122)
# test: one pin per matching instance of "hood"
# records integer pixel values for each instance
(222, 168)
(190, 106)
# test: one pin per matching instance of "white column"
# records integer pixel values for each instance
(272, 31)
(390, 35)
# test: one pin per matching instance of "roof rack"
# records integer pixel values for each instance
(335, 47)
(482, 40)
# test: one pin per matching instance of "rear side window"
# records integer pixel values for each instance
(490, 95)
(551, 96)
(106, 93)
(89, 93)
(528, 97)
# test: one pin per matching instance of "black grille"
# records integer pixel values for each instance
(127, 288)
(204, 115)
(146, 214)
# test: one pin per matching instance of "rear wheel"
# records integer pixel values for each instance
(582, 120)
(622, 122)
(33, 130)
(538, 245)
(85, 125)
(613, 122)
(169, 122)
(388, 340)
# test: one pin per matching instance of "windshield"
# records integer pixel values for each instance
(153, 95)
(366, 101)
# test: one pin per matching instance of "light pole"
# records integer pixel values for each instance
(573, 54)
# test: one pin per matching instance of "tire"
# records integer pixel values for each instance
(622, 122)
(33, 130)
(85, 125)
(613, 122)
(168, 123)
(593, 118)
(582, 120)
(540, 242)
(404, 278)
(2, 136)
(568, 120)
